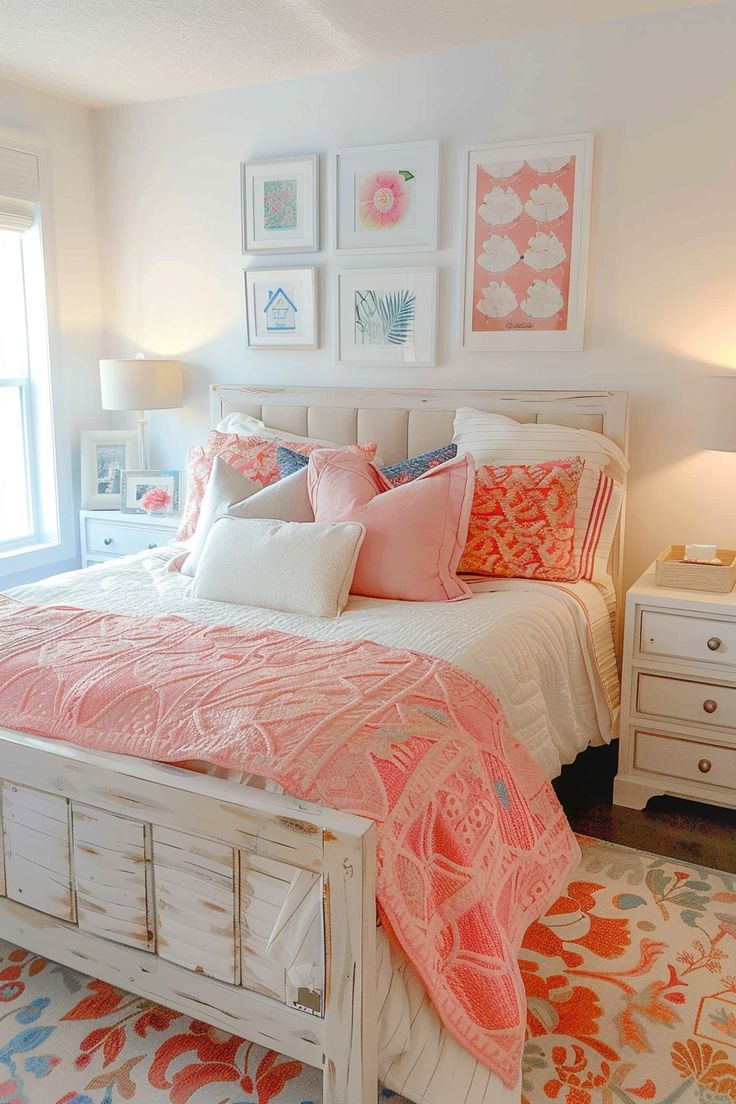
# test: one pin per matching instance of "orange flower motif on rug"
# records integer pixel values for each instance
(631, 985)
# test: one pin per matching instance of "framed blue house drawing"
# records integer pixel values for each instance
(281, 308)
(280, 313)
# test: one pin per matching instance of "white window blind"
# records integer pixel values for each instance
(19, 188)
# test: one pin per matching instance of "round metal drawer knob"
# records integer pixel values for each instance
(714, 643)
(709, 705)
(704, 766)
(107, 540)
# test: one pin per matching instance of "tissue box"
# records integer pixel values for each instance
(669, 571)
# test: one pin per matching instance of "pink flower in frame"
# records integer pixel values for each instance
(156, 500)
(384, 199)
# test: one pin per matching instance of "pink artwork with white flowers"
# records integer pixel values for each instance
(523, 239)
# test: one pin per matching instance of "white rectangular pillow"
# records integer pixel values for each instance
(496, 439)
(295, 567)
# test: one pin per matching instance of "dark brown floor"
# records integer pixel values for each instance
(704, 834)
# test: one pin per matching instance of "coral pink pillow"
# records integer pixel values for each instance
(522, 524)
(254, 457)
(415, 533)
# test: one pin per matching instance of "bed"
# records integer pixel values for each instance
(117, 865)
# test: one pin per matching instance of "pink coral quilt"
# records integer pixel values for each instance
(472, 843)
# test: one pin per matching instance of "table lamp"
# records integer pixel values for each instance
(141, 385)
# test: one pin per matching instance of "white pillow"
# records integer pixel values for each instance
(230, 492)
(245, 425)
(496, 439)
(294, 567)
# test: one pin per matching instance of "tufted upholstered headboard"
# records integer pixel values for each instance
(407, 422)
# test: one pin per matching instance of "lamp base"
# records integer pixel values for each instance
(142, 444)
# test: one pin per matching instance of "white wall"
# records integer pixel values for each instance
(70, 241)
(660, 95)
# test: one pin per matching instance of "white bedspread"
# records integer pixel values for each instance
(546, 652)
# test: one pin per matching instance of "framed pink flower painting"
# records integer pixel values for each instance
(527, 224)
(387, 198)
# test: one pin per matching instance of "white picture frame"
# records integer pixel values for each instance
(280, 205)
(106, 454)
(405, 177)
(281, 308)
(372, 302)
(526, 246)
(135, 483)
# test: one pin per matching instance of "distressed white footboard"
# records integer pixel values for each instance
(169, 883)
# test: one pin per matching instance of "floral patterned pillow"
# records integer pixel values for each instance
(522, 522)
(254, 457)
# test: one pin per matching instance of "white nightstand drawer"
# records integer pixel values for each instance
(679, 635)
(685, 759)
(118, 539)
(686, 700)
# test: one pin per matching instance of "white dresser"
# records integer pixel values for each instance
(678, 696)
(106, 534)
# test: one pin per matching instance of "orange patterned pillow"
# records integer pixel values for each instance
(254, 457)
(522, 523)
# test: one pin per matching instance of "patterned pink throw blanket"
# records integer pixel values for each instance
(472, 843)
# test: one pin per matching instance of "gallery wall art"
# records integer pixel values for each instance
(387, 316)
(281, 308)
(387, 198)
(281, 205)
(527, 225)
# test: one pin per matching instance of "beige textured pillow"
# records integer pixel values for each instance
(292, 566)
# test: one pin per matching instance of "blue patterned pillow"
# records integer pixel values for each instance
(403, 472)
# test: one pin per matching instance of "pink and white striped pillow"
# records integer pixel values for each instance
(604, 514)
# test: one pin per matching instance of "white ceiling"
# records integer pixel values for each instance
(121, 51)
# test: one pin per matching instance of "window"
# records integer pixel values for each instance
(17, 507)
(28, 499)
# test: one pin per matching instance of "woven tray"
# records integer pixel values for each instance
(670, 571)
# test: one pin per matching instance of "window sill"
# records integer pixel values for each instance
(28, 557)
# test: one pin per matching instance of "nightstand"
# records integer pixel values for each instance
(107, 534)
(678, 696)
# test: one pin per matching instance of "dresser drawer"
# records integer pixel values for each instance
(701, 639)
(119, 539)
(686, 759)
(686, 700)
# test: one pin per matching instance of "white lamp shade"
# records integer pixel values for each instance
(141, 384)
(718, 429)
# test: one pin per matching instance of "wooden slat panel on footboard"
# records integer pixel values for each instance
(196, 891)
(112, 876)
(37, 852)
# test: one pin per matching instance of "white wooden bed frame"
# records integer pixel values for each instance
(149, 877)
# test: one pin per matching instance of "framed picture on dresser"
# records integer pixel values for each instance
(526, 249)
(106, 454)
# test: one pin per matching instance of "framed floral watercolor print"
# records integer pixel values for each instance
(387, 316)
(281, 205)
(387, 198)
(526, 247)
(281, 308)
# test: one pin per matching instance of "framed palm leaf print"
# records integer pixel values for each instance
(387, 316)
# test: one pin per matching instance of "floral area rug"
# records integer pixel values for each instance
(630, 980)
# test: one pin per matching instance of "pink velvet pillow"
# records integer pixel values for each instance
(254, 457)
(415, 533)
